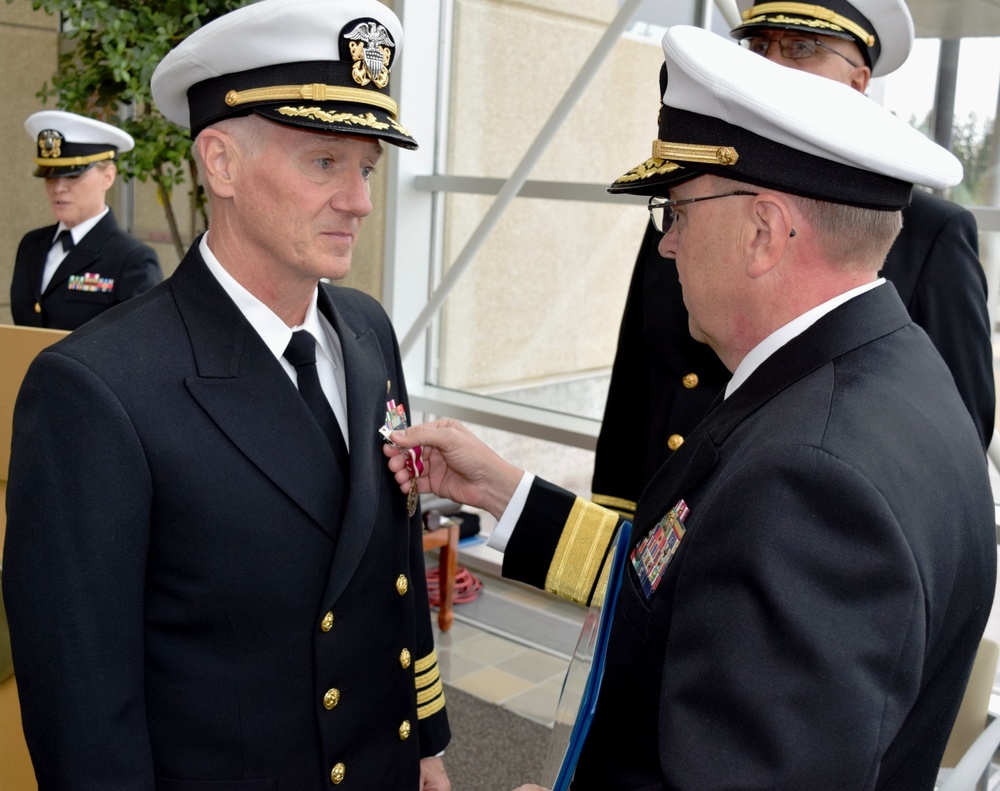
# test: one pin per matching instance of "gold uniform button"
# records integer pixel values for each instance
(402, 585)
(38, 307)
(337, 774)
(674, 441)
(327, 623)
(404, 730)
(404, 658)
(690, 381)
(331, 698)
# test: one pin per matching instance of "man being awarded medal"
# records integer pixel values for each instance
(231, 596)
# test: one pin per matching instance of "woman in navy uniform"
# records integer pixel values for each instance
(68, 273)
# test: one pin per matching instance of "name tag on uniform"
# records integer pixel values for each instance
(653, 554)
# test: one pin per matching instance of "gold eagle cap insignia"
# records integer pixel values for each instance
(50, 144)
(371, 50)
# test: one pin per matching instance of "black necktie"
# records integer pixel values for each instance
(66, 239)
(301, 353)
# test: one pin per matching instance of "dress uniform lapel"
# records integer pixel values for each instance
(862, 319)
(85, 255)
(37, 257)
(244, 389)
(366, 376)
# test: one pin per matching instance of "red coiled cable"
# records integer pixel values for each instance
(467, 586)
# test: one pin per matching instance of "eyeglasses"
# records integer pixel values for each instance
(792, 47)
(662, 214)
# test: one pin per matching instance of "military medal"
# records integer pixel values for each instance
(395, 420)
(653, 554)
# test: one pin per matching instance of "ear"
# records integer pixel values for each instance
(108, 175)
(219, 158)
(773, 228)
(859, 78)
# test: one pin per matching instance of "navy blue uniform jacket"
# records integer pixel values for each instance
(816, 626)
(124, 266)
(196, 600)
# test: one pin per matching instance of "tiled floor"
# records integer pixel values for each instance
(498, 663)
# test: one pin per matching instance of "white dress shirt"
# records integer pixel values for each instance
(276, 335)
(56, 253)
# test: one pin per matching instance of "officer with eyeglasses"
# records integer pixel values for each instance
(809, 575)
(663, 381)
(792, 47)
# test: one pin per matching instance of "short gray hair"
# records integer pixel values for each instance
(250, 133)
(853, 238)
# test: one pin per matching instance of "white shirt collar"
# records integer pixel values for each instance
(272, 330)
(79, 230)
(784, 334)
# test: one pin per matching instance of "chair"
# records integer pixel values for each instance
(445, 537)
(18, 347)
(975, 735)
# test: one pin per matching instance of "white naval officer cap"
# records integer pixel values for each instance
(737, 115)
(882, 29)
(319, 64)
(68, 144)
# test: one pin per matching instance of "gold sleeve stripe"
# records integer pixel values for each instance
(580, 554)
(625, 507)
(424, 664)
(426, 695)
(602, 586)
(428, 679)
(423, 712)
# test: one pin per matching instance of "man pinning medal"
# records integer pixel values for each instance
(790, 617)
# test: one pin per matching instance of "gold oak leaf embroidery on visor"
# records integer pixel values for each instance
(317, 114)
(649, 168)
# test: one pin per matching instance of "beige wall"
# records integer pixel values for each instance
(23, 205)
(544, 297)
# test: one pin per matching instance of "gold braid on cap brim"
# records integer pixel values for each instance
(349, 119)
(822, 16)
(315, 92)
(666, 155)
(73, 162)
